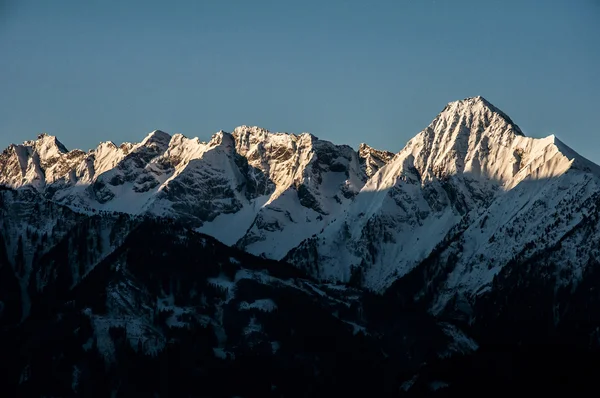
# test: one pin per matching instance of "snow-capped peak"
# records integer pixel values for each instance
(470, 156)
(47, 146)
(478, 106)
(469, 136)
(156, 137)
(267, 192)
(472, 115)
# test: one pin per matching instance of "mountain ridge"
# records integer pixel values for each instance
(271, 193)
(468, 158)
(468, 100)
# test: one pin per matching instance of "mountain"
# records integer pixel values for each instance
(32, 228)
(114, 299)
(471, 168)
(466, 261)
(263, 192)
(366, 216)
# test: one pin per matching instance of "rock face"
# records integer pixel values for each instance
(260, 191)
(371, 160)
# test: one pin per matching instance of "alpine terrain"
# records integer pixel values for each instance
(271, 264)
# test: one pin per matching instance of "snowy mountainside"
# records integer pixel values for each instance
(36, 238)
(265, 192)
(544, 237)
(531, 219)
(166, 294)
(472, 163)
(365, 216)
(29, 227)
(312, 182)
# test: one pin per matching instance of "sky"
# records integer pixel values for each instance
(347, 71)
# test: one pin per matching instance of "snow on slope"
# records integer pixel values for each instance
(204, 187)
(536, 215)
(341, 214)
(312, 181)
(32, 231)
(265, 192)
(470, 157)
(36, 163)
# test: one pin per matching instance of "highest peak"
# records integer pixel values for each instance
(473, 100)
(472, 104)
(476, 108)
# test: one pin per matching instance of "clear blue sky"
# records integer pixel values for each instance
(347, 71)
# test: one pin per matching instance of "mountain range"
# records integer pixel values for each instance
(472, 236)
